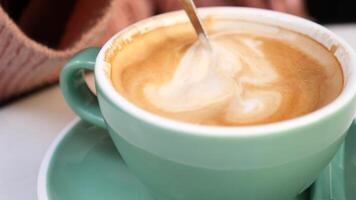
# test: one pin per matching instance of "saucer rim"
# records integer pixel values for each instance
(42, 192)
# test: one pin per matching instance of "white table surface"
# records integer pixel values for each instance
(28, 126)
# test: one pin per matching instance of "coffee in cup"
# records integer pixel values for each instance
(253, 74)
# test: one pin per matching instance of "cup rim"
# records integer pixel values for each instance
(109, 92)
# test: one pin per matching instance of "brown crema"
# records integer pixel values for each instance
(256, 73)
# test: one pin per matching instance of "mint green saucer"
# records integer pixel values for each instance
(338, 180)
(83, 164)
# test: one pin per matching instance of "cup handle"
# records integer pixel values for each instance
(76, 91)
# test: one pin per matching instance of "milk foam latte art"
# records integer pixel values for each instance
(253, 75)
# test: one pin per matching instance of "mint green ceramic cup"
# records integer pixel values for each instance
(183, 161)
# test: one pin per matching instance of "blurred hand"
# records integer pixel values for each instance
(295, 7)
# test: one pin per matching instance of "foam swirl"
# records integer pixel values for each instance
(207, 79)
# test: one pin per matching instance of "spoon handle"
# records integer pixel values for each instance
(190, 9)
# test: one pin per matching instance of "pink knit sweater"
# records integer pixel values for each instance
(37, 40)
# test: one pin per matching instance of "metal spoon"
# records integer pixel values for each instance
(190, 9)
